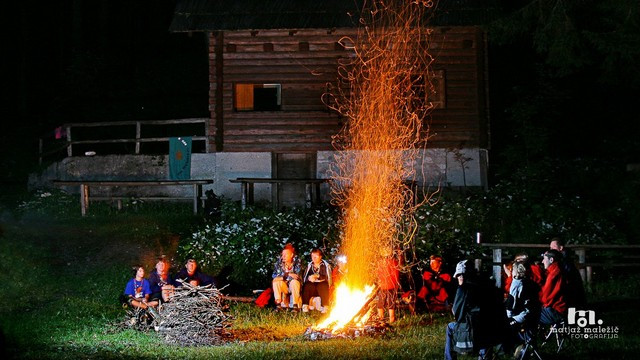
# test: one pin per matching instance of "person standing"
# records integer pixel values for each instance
(388, 282)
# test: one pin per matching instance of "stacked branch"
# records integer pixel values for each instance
(195, 316)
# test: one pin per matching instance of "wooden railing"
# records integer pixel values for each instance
(48, 145)
(587, 257)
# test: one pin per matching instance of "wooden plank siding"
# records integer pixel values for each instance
(303, 62)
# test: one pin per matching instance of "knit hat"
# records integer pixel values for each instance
(461, 268)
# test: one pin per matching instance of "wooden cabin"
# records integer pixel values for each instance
(270, 62)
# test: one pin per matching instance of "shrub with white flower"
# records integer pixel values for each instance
(248, 243)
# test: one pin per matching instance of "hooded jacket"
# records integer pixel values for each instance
(554, 290)
(325, 272)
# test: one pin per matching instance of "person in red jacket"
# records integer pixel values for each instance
(575, 288)
(553, 294)
(434, 291)
(388, 273)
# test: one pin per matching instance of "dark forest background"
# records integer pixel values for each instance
(563, 78)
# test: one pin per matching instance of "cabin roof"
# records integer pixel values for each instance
(212, 15)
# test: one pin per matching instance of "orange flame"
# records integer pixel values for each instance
(345, 311)
(386, 104)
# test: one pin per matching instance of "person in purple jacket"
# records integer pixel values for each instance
(138, 290)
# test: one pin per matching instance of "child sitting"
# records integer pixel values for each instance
(138, 290)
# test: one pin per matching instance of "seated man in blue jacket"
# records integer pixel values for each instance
(192, 275)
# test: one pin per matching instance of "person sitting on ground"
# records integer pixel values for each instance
(553, 294)
(434, 291)
(138, 290)
(576, 296)
(522, 305)
(388, 272)
(316, 282)
(162, 281)
(534, 272)
(286, 279)
(191, 274)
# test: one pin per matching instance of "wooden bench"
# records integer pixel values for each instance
(312, 187)
(86, 184)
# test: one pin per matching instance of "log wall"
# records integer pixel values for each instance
(304, 62)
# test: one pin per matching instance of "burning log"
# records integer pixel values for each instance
(194, 316)
(362, 323)
(371, 328)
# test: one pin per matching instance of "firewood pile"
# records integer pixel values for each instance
(135, 318)
(194, 316)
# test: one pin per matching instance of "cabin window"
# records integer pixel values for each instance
(257, 97)
(434, 92)
(439, 96)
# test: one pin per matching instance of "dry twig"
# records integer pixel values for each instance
(194, 316)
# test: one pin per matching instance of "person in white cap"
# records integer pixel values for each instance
(462, 334)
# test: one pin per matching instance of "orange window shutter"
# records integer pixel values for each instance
(244, 97)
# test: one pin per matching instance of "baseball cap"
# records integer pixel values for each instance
(461, 268)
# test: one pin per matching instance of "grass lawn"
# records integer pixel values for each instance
(61, 276)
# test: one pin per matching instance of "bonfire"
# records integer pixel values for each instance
(386, 105)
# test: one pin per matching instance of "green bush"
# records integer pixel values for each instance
(246, 244)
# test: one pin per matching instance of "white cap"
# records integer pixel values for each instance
(461, 268)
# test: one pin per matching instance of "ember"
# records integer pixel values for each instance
(386, 104)
(371, 328)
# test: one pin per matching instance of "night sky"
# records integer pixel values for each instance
(553, 92)
(84, 61)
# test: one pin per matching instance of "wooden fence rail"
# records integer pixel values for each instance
(626, 256)
(136, 135)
